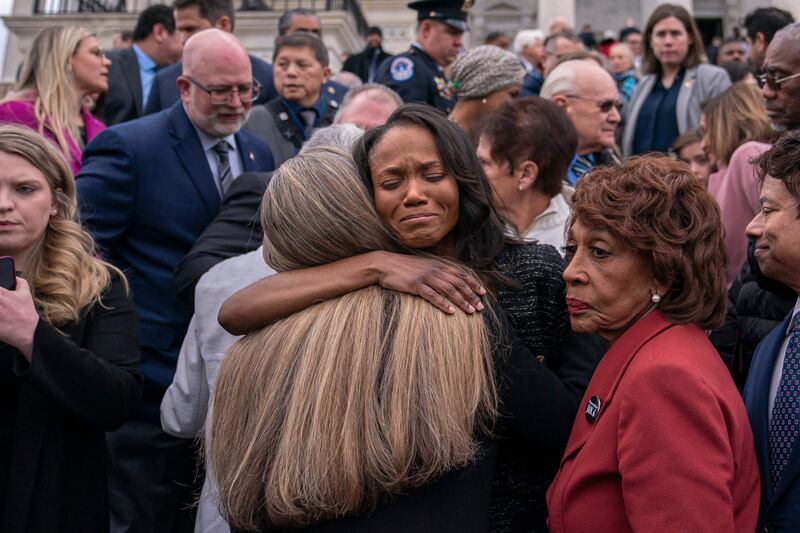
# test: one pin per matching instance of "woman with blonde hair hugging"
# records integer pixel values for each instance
(371, 411)
(64, 68)
(68, 348)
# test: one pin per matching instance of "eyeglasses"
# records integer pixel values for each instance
(772, 82)
(223, 95)
(604, 105)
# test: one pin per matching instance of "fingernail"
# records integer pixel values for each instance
(482, 291)
(479, 306)
(451, 309)
(470, 309)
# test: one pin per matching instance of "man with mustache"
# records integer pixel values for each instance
(300, 68)
(147, 190)
(780, 82)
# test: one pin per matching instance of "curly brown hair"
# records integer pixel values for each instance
(656, 207)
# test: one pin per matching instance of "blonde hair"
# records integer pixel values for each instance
(46, 78)
(320, 414)
(734, 117)
(64, 275)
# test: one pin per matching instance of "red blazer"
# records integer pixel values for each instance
(670, 448)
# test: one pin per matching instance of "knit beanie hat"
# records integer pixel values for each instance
(484, 70)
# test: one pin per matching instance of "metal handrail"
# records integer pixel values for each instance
(64, 7)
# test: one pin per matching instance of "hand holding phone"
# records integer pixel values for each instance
(19, 317)
(8, 276)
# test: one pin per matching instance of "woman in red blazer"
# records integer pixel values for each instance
(661, 442)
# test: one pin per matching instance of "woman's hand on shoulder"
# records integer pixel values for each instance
(19, 318)
(437, 282)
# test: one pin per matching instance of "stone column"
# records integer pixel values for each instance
(550, 9)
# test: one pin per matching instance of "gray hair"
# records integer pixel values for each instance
(791, 32)
(376, 91)
(286, 18)
(525, 38)
(561, 79)
(484, 70)
(343, 136)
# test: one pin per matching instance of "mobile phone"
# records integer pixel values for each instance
(8, 276)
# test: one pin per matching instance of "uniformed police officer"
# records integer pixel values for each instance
(418, 74)
(300, 65)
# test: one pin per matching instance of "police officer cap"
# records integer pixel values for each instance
(452, 12)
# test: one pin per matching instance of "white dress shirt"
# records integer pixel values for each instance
(235, 160)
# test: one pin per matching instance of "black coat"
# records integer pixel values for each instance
(123, 100)
(79, 384)
(235, 230)
(756, 305)
(359, 63)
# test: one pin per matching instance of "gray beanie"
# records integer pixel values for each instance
(484, 70)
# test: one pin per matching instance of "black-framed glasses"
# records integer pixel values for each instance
(604, 105)
(772, 82)
(223, 95)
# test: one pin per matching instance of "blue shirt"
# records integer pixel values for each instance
(147, 72)
(294, 110)
(657, 125)
(572, 178)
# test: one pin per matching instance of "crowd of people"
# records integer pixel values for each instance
(540, 284)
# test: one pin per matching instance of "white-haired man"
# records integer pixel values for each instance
(589, 95)
(529, 47)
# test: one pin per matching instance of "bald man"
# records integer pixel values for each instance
(147, 190)
(589, 96)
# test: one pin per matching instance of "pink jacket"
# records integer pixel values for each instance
(21, 112)
(737, 190)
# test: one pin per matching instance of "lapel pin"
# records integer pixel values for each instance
(283, 116)
(592, 409)
(251, 156)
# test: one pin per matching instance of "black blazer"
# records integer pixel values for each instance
(234, 231)
(78, 385)
(123, 100)
(358, 63)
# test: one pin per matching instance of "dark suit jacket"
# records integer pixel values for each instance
(76, 387)
(123, 100)
(164, 91)
(780, 509)
(235, 230)
(359, 63)
(146, 193)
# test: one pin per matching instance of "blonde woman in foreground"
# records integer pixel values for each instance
(69, 350)
(372, 411)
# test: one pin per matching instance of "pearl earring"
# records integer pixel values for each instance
(483, 100)
(656, 299)
(521, 187)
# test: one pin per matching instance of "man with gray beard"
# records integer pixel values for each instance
(147, 190)
(780, 82)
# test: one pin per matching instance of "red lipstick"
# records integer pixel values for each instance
(575, 306)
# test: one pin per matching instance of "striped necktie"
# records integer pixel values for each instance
(784, 426)
(224, 165)
(581, 166)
